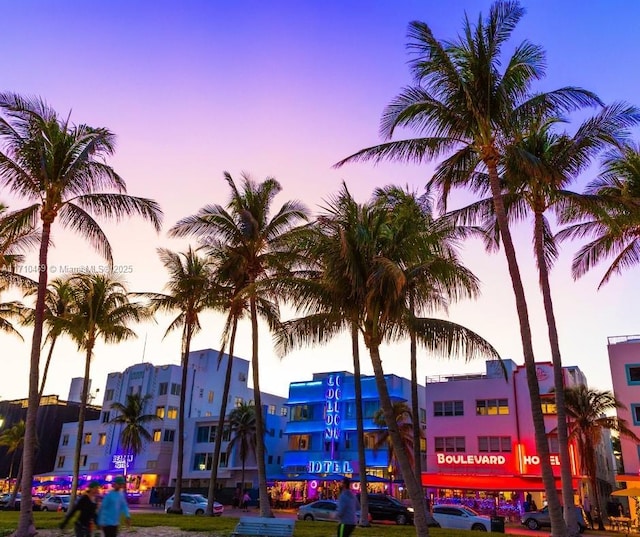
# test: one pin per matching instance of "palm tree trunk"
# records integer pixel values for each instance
(26, 526)
(591, 466)
(213, 482)
(242, 477)
(362, 461)
(413, 487)
(45, 372)
(186, 347)
(558, 381)
(415, 403)
(13, 460)
(14, 492)
(265, 507)
(81, 416)
(558, 527)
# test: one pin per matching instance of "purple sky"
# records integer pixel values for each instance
(286, 89)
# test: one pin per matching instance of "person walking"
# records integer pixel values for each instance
(586, 506)
(87, 506)
(347, 509)
(245, 501)
(113, 508)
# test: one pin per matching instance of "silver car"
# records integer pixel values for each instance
(534, 520)
(324, 510)
(194, 504)
(56, 502)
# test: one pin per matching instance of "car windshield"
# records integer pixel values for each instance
(395, 501)
(199, 498)
(470, 511)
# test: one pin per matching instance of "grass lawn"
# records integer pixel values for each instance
(48, 520)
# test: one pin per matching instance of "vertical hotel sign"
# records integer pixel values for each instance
(332, 396)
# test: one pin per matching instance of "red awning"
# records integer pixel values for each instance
(487, 482)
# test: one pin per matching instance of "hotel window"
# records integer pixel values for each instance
(83, 460)
(278, 460)
(448, 408)
(108, 395)
(93, 466)
(369, 408)
(226, 434)
(87, 438)
(224, 460)
(175, 388)
(169, 435)
(554, 445)
(210, 397)
(635, 413)
(423, 415)
(163, 387)
(105, 417)
(492, 407)
(61, 461)
(302, 413)
(202, 434)
(102, 439)
(271, 409)
(633, 374)
(449, 444)
(202, 461)
(370, 440)
(300, 442)
(270, 459)
(494, 444)
(548, 405)
(238, 401)
(284, 411)
(152, 464)
(65, 440)
(172, 413)
(160, 412)
(157, 435)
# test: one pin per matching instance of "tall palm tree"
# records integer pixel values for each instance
(465, 105)
(261, 246)
(362, 238)
(61, 169)
(190, 292)
(406, 427)
(537, 172)
(13, 439)
(242, 423)
(613, 221)
(100, 310)
(586, 410)
(131, 415)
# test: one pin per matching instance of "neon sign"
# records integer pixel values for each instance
(121, 462)
(329, 467)
(470, 459)
(332, 396)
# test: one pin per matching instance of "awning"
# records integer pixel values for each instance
(633, 491)
(488, 482)
(623, 478)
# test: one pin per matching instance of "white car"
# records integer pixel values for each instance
(194, 504)
(460, 517)
(59, 502)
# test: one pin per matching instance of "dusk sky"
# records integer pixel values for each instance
(286, 89)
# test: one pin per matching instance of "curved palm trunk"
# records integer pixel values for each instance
(26, 526)
(415, 403)
(413, 487)
(591, 466)
(186, 346)
(362, 461)
(558, 527)
(558, 381)
(45, 371)
(16, 486)
(81, 416)
(213, 481)
(265, 507)
(13, 460)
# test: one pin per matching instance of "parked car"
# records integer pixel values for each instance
(324, 510)
(460, 517)
(4, 502)
(194, 504)
(535, 520)
(383, 507)
(56, 502)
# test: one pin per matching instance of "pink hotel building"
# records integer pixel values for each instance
(480, 433)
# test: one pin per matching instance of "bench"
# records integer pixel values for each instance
(263, 527)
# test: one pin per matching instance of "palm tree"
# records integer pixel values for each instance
(262, 247)
(100, 310)
(537, 171)
(613, 221)
(242, 422)
(61, 169)
(464, 104)
(14, 242)
(586, 411)
(13, 439)
(361, 238)
(190, 292)
(132, 417)
(406, 427)
(10, 311)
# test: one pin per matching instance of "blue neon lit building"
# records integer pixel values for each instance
(321, 429)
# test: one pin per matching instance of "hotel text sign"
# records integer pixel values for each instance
(490, 460)
(332, 396)
(121, 462)
(329, 467)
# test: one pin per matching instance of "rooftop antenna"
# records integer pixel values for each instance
(144, 348)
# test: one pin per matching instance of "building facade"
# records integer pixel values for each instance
(156, 465)
(480, 435)
(321, 428)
